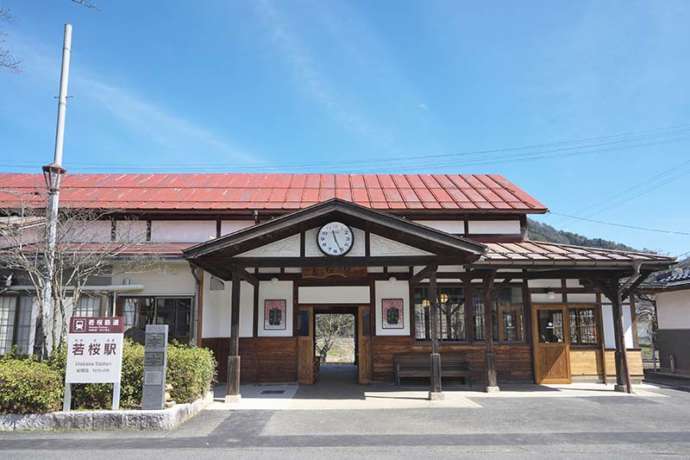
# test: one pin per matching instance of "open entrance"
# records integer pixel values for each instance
(333, 344)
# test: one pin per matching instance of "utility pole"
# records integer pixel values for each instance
(53, 174)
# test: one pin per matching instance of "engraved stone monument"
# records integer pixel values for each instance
(155, 362)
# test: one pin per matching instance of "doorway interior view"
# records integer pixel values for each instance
(335, 344)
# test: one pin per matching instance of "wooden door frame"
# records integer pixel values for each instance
(536, 343)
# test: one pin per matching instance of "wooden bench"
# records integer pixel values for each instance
(419, 365)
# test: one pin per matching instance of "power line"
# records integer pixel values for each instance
(615, 224)
(556, 147)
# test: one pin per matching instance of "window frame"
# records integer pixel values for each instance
(120, 308)
(598, 325)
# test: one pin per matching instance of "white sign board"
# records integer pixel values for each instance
(94, 350)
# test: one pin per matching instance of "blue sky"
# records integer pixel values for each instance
(586, 105)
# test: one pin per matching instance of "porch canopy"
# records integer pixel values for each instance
(234, 257)
(227, 255)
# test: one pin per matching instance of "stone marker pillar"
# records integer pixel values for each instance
(155, 363)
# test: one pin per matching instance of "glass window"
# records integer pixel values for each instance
(88, 306)
(583, 326)
(551, 326)
(174, 311)
(507, 315)
(451, 312)
(8, 310)
(24, 324)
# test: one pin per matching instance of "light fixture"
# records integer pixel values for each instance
(392, 279)
(426, 303)
(443, 298)
(551, 295)
(274, 280)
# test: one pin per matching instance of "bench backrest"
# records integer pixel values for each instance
(448, 360)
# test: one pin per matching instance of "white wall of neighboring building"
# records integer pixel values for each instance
(182, 231)
(98, 231)
(673, 309)
(216, 315)
(275, 290)
(392, 290)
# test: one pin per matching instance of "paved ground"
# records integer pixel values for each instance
(521, 423)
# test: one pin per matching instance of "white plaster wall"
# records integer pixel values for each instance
(673, 309)
(584, 298)
(95, 231)
(609, 337)
(393, 290)
(333, 294)
(231, 226)
(130, 230)
(493, 227)
(456, 227)
(275, 290)
(381, 246)
(287, 247)
(170, 278)
(311, 247)
(544, 283)
(182, 231)
(216, 315)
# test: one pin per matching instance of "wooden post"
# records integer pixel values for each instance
(233, 385)
(491, 381)
(622, 372)
(435, 391)
(602, 339)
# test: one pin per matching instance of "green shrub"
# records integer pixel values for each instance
(28, 386)
(100, 395)
(191, 372)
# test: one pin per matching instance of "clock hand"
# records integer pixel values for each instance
(336, 240)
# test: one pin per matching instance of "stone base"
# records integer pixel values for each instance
(436, 396)
(165, 419)
(620, 388)
(232, 398)
(492, 389)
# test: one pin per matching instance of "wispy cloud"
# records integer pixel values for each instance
(149, 120)
(312, 81)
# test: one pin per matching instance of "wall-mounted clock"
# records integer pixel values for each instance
(335, 239)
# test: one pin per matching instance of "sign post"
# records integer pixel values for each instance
(94, 354)
(155, 364)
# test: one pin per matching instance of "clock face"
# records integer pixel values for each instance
(335, 239)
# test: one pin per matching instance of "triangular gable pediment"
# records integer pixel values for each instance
(393, 236)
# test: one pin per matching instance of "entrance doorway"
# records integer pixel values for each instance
(551, 344)
(334, 344)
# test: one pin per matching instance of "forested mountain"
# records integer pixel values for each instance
(544, 232)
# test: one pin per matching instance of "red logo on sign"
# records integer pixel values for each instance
(97, 325)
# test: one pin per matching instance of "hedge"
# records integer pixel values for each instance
(28, 386)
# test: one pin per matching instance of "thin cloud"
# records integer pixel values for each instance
(139, 115)
(311, 80)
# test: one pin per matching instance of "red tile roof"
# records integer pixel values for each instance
(461, 192)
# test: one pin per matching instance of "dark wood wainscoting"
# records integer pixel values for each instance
(513, 362)
(278, 361)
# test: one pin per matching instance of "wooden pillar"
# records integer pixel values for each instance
(622, 371)
(602, 339)
(233, 385)
(491, 380)
(435, 392)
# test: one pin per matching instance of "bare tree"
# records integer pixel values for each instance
(84, 250)
(7, 59)
(328, 328)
